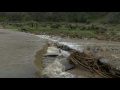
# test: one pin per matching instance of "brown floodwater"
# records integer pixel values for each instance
(37, 61)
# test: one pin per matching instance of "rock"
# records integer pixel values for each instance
(68, 46)
(67, 65)
(103, 49)
(104, 60)
(53, 51)
(63, 47)
(114, 63)
(45, 76)
(65, 53)
(96, 49)
(85, 38)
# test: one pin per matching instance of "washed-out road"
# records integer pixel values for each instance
(17, 53)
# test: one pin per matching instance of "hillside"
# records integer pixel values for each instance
(107, 17)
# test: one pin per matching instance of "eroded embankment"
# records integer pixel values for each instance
(37, 61)
(49, 62)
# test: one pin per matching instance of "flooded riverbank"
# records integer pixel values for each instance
(104, 48)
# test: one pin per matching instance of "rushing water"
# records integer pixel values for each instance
(55, 69)
(73, 46)
(59, 41)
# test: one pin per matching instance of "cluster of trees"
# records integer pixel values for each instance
(40, 16)
(87, 17)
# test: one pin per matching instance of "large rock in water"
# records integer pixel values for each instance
(52, 51)
(67, 65)
(113, 63)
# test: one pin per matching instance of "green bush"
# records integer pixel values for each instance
(113, 18)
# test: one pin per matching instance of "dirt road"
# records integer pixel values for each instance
(17, 51)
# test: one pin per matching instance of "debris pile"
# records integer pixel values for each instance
(88, 61)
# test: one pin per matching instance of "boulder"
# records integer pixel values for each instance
(114, 63)
(67, 64)
(53, 51)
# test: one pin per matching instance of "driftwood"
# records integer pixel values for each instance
(88, 61)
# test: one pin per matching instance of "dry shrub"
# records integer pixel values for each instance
(55, 26)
